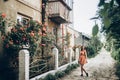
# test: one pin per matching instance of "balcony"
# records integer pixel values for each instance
(58, 12)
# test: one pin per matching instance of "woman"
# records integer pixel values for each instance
(83, 60)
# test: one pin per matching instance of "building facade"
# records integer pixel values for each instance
(57, 14)
(60, 15)
(81, 39)
(20, 9)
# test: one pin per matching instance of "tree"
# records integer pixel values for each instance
(95, 30)
(109, 14)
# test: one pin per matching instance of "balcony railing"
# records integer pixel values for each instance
(58, 12)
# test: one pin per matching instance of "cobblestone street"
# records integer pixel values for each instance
(99, 68)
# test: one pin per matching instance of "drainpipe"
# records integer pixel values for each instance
(44, 2)
(62, 38)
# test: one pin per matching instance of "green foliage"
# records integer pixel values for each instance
(118, 2)
(13, 41)
(68, 69)
(106, 22)
(67, 38)
(109, 14)
(94, 46)
(118, 69)
(101, 3)
(2, 23)
(116, 54)
(41, 79)
(28, 34)
(59, 74)
(111, 3)
(22, 35)
(90, 51)
(95, 30)
(73, 66)
(50, 77)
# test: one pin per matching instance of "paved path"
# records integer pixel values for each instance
(99, 68)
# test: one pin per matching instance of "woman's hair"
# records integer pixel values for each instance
(82, 48)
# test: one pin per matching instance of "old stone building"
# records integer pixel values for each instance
(21, 9)
(60, 21)
(57, 14)
(81, 39)
(59, 17)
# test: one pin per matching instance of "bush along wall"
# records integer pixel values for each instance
(29, 33)
(60, 74)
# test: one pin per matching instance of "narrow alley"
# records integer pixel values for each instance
(42, 39)
(99, 68)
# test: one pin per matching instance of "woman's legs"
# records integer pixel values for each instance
(82, 69)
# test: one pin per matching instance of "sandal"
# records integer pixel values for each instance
(87, 74)
(81, 75)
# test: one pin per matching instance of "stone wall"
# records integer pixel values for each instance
(12, 7)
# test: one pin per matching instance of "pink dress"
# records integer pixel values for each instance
(82, 57)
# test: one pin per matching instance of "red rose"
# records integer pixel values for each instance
(3, 37)
(44, 34)
(40, 33)
(43, 44)
(45, 24)
(7, 45)
(44, 29)
(23, 38)
(22, 29)
(32, 34)
(3, 15)
(11, 42)
(17, 41)
(40, 23)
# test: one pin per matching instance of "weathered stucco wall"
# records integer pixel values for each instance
(12, 7)
(8, 8)
(30, 8)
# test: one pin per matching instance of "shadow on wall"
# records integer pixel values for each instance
(6, 71)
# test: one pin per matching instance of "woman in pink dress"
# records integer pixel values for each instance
(83, 60)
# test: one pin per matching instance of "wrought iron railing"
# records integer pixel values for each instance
(39, 66)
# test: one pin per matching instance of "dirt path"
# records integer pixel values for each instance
(99, 68)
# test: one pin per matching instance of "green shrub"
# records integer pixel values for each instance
(59, 74)
(41, 79)
(118, 69)
(50, 77)
(90, 51)
(116, 54)
(73, 66)
(68, 69)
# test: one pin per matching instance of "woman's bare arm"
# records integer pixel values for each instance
(86, 55)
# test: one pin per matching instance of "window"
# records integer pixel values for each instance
(23, 19)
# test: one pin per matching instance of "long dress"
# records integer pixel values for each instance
(82, 57)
